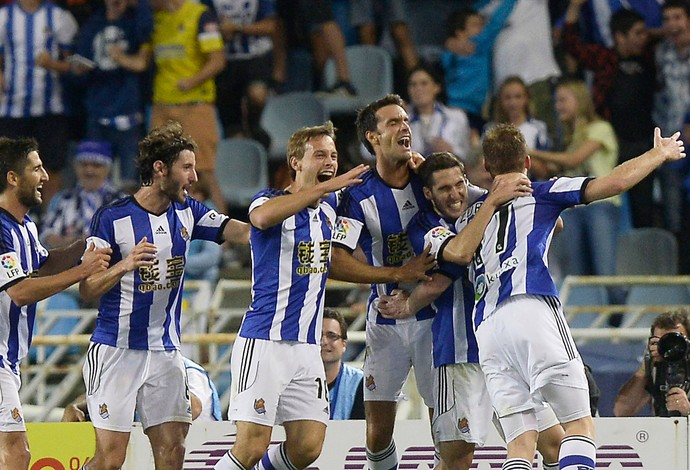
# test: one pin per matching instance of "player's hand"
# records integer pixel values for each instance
(185, 84)
(677, 400)
(344, 180)
(415, 160)
(509, 186)
(395, 306)
(94, 260)
(671, 147)
(73, 414)
(143, 254)
(44, 60)
(416, 268)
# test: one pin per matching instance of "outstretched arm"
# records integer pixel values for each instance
(345, 267)
(277, 209)
(628, 174)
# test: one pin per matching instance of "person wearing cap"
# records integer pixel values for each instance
(69, 212)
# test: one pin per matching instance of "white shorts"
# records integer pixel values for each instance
(462, 408)
(11, 413)
(120, 381)
(391, 351)
(277, 381)
(525, 345)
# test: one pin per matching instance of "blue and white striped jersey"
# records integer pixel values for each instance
(21, 255)
(374, 216)
(143, 310)
(289, 270)
(30, 90)
(453, 336)
(512, 258)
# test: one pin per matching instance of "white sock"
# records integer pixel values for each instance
(229, 462)
(550, 466)
(275, 459)
(517, 464)
(577, 453)
(437, 457)
(387, 459)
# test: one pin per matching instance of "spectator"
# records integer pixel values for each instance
(113, 39)
(188, 49)
(243, 86)
(35, 37)
(623, 91)
(514, 106)
(592, 151)
(70, 211)
(466, 59)
(647, 385)
(345, 383)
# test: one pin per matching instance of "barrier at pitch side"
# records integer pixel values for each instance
(622, 443)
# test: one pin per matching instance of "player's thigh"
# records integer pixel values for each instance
(113, 377)
(111, 446)
(11, 413)
(164, 395)
(419, 341)
(306, 395)
(462, 409)
(387, 362)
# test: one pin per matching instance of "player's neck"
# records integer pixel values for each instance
(12, 205)
(152, 199)
(395, 174)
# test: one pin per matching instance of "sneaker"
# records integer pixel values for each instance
(343, 88)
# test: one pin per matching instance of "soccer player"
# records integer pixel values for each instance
(460, 395)
(28, 273)
(133, 361)
(374, 215)
(526, 350)
(278, 376)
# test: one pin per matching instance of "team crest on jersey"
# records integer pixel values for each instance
(464, 425)
(184, 233)
(370, 383)
(341, 228)
(16, 415)
(260, 406)
(103, 411)
(10, 265)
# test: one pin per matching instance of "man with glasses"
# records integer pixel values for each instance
(640, 389)
(345, 389)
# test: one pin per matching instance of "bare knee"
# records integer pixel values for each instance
(17, 458)
(304, 452)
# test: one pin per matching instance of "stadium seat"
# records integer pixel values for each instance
(647, 250)
(284, 114)
(371, 73)
(241, 169)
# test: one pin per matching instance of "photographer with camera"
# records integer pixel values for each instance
(664, 375)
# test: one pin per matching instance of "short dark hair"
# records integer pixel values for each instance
(163, 143)
(457, 20)
(333, 314)
(366, 117)
(684, 4)
(13, 156)
(435, 162)
(623, 20)
(504, 149)
(669, 320)
(298, 141)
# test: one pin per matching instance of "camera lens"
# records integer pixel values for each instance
(673, 347)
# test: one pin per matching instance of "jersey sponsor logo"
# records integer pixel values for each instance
(341, 229)
(151, 275)
(309, 261)
(484, 281)
(408, 205)
(103, 411)
(16, 415)
(399, 248)
(260, 406)
(10, 265)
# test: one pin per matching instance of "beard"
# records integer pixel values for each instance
(27, 197)
(173, 191)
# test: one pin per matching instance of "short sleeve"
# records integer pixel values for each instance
(209, 37)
